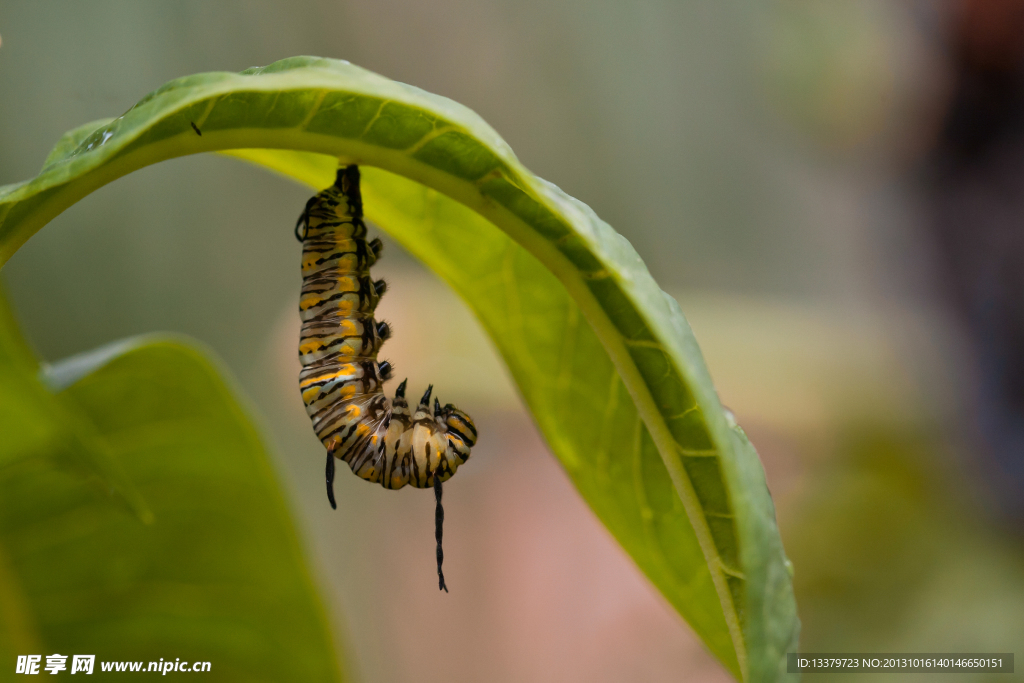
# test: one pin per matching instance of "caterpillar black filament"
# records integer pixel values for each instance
(341, 380)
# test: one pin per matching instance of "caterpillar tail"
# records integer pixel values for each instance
(439, 531)
(330, 480)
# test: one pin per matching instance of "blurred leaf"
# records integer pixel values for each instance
(218, 575)
(33, 420)
(604, 359)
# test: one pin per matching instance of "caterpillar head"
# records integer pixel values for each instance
(460, 424)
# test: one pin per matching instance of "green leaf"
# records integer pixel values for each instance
(604, 359)
(33, 420)
(217, 576)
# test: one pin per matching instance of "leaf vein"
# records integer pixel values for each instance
(313, 110)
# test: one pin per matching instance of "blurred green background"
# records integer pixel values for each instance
(763, 158)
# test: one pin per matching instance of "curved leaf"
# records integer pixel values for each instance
(604, 358)
(217, 576)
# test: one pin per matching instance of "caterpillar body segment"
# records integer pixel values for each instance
(382, 440)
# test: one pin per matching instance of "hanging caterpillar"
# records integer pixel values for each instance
(341, 380)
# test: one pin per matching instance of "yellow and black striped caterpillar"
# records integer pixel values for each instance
(341, 381)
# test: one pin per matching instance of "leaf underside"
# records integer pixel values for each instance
(604, 359)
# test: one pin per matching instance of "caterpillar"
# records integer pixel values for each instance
(341, 381)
